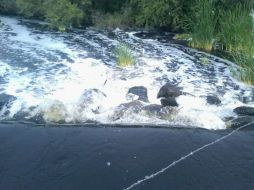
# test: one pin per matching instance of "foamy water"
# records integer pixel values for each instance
(48, 72)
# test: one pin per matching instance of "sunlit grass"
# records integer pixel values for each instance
(124, 55)
(203, 27)
(182, 37)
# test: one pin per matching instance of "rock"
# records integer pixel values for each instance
(6, 99)
(244, 110)
(5, 103)
(241, 121)
(140, 91)
(153, 109)
(169, 90)
(130, 107)
(54, 111)
(91, 99)
(213, 100)
(170, 101)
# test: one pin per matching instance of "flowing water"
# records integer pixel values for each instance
(74, 76)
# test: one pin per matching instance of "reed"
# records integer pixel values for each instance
(246, 67)
(203, 25)
(236, 32)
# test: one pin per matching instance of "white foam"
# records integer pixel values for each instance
(65, 84)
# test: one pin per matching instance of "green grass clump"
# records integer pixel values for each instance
(124, 55)
(203, 25)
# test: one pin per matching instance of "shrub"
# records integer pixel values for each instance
(159, 13)
(8, 7)
(124, 55)
(31, 8)
(120, 19)
(62, 14)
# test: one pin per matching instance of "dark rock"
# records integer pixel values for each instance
(170, 101)
(241, 121)
(169, 90)
(244, 110)
(133, 107)
(152, 109)
(5, 99)
(213, 100)
(140, 91)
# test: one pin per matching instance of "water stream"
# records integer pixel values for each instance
(62, 75)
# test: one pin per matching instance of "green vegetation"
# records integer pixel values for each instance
(65, 14)
(184, 36)
(202, 25)
(124, 55)
(246, 68)
(236, 29)
(8, 6)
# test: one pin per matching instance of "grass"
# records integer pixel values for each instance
(183, 37)
(246, 68)
(236, 30)
(203, 26)
(236, 37)
(124, 55)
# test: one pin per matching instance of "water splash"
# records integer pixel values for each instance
(41, 68)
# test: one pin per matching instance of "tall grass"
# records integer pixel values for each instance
(246, 67)
(124, 55)
(236, 30)
(203, 25)
(236, 37)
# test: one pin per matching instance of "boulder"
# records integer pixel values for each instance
(213, 100)
(54, 111)
(132, 107)
(169, 90)
(153, 109)
(244, 110)
(140, 91)
(170, 101)
(241, 121)
(6, 99)
(90, 99)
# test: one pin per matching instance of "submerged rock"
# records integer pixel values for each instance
(170, 101)
(5, 99)
(55, 111)
(140, 91)
(169, 90)
(130, 107)
(153, 109)
(244, 110)
(91, 99)
(213, 100)
(241, 121)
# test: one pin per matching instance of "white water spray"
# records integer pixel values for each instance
(185, 157)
